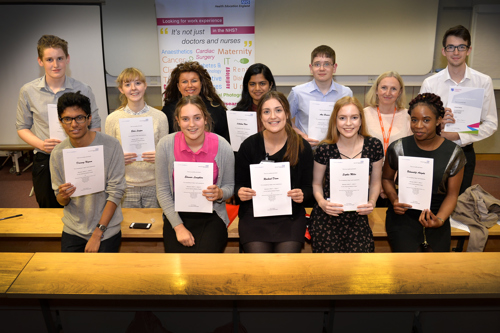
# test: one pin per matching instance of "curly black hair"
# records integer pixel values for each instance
(433, 102)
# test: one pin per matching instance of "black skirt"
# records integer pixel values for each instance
(405, 233)
(208, 230)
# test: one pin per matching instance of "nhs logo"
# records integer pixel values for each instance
(245, 2)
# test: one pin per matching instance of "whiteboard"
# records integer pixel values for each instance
(369, 37)
(79, 25)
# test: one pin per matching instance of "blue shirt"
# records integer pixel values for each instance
(303, 94)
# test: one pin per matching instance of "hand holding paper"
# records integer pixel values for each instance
(212, 193)
(246, 193)
(149, 156)
(331, 208)
(296, 194)
(66, 190)
(130, 158)
(365, 209)
(399, 207)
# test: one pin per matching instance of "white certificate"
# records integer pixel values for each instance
(84, 168)
(466, 104)
(415, 181)
(271, 182)
(349, 182)
(137, 135)
(190, 179)
(241, 125)
(319, 116)
(56, 131)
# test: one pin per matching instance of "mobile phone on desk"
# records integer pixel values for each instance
(135, 225)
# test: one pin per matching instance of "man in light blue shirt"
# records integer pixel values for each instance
(321, 89)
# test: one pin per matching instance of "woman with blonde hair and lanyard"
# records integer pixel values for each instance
(386, 116)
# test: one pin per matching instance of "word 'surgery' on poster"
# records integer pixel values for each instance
(219, 34)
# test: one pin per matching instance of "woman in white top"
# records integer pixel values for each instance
(139, 172)
(386, 116)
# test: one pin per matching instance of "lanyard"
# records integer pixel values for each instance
(386, 139)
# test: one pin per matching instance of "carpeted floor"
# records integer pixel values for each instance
(15, 190)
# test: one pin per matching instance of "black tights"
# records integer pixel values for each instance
(268, 247)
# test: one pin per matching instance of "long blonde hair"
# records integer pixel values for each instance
(333, 134)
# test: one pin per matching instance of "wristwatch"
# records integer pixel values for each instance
(102, 227)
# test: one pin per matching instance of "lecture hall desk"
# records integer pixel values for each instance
(271, 276)
(39, 230)
(324, 283)
(11, 264)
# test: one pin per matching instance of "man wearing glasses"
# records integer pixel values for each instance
(456, 48)
(322, 89)
(91, 221)
(35, 100)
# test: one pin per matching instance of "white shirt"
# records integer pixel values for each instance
(440, 84)
(303, 94)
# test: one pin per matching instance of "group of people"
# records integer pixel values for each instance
(192, 127)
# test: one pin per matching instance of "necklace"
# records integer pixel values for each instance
(386, 138)
(350, 158)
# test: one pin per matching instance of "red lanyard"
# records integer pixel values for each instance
(386, 139)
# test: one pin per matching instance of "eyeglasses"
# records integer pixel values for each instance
(452, 48)
(325, 65)
(79, 119)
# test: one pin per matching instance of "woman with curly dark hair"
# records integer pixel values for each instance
(408, 228)
(190, 78)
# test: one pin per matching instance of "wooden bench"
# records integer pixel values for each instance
(40, 230)
(377, 223)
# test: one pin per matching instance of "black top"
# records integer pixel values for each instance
(448, 158)
(253, 151)
(218, 115)
(372, 149)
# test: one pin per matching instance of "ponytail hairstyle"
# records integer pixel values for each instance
(295, 145)
(433, 102)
